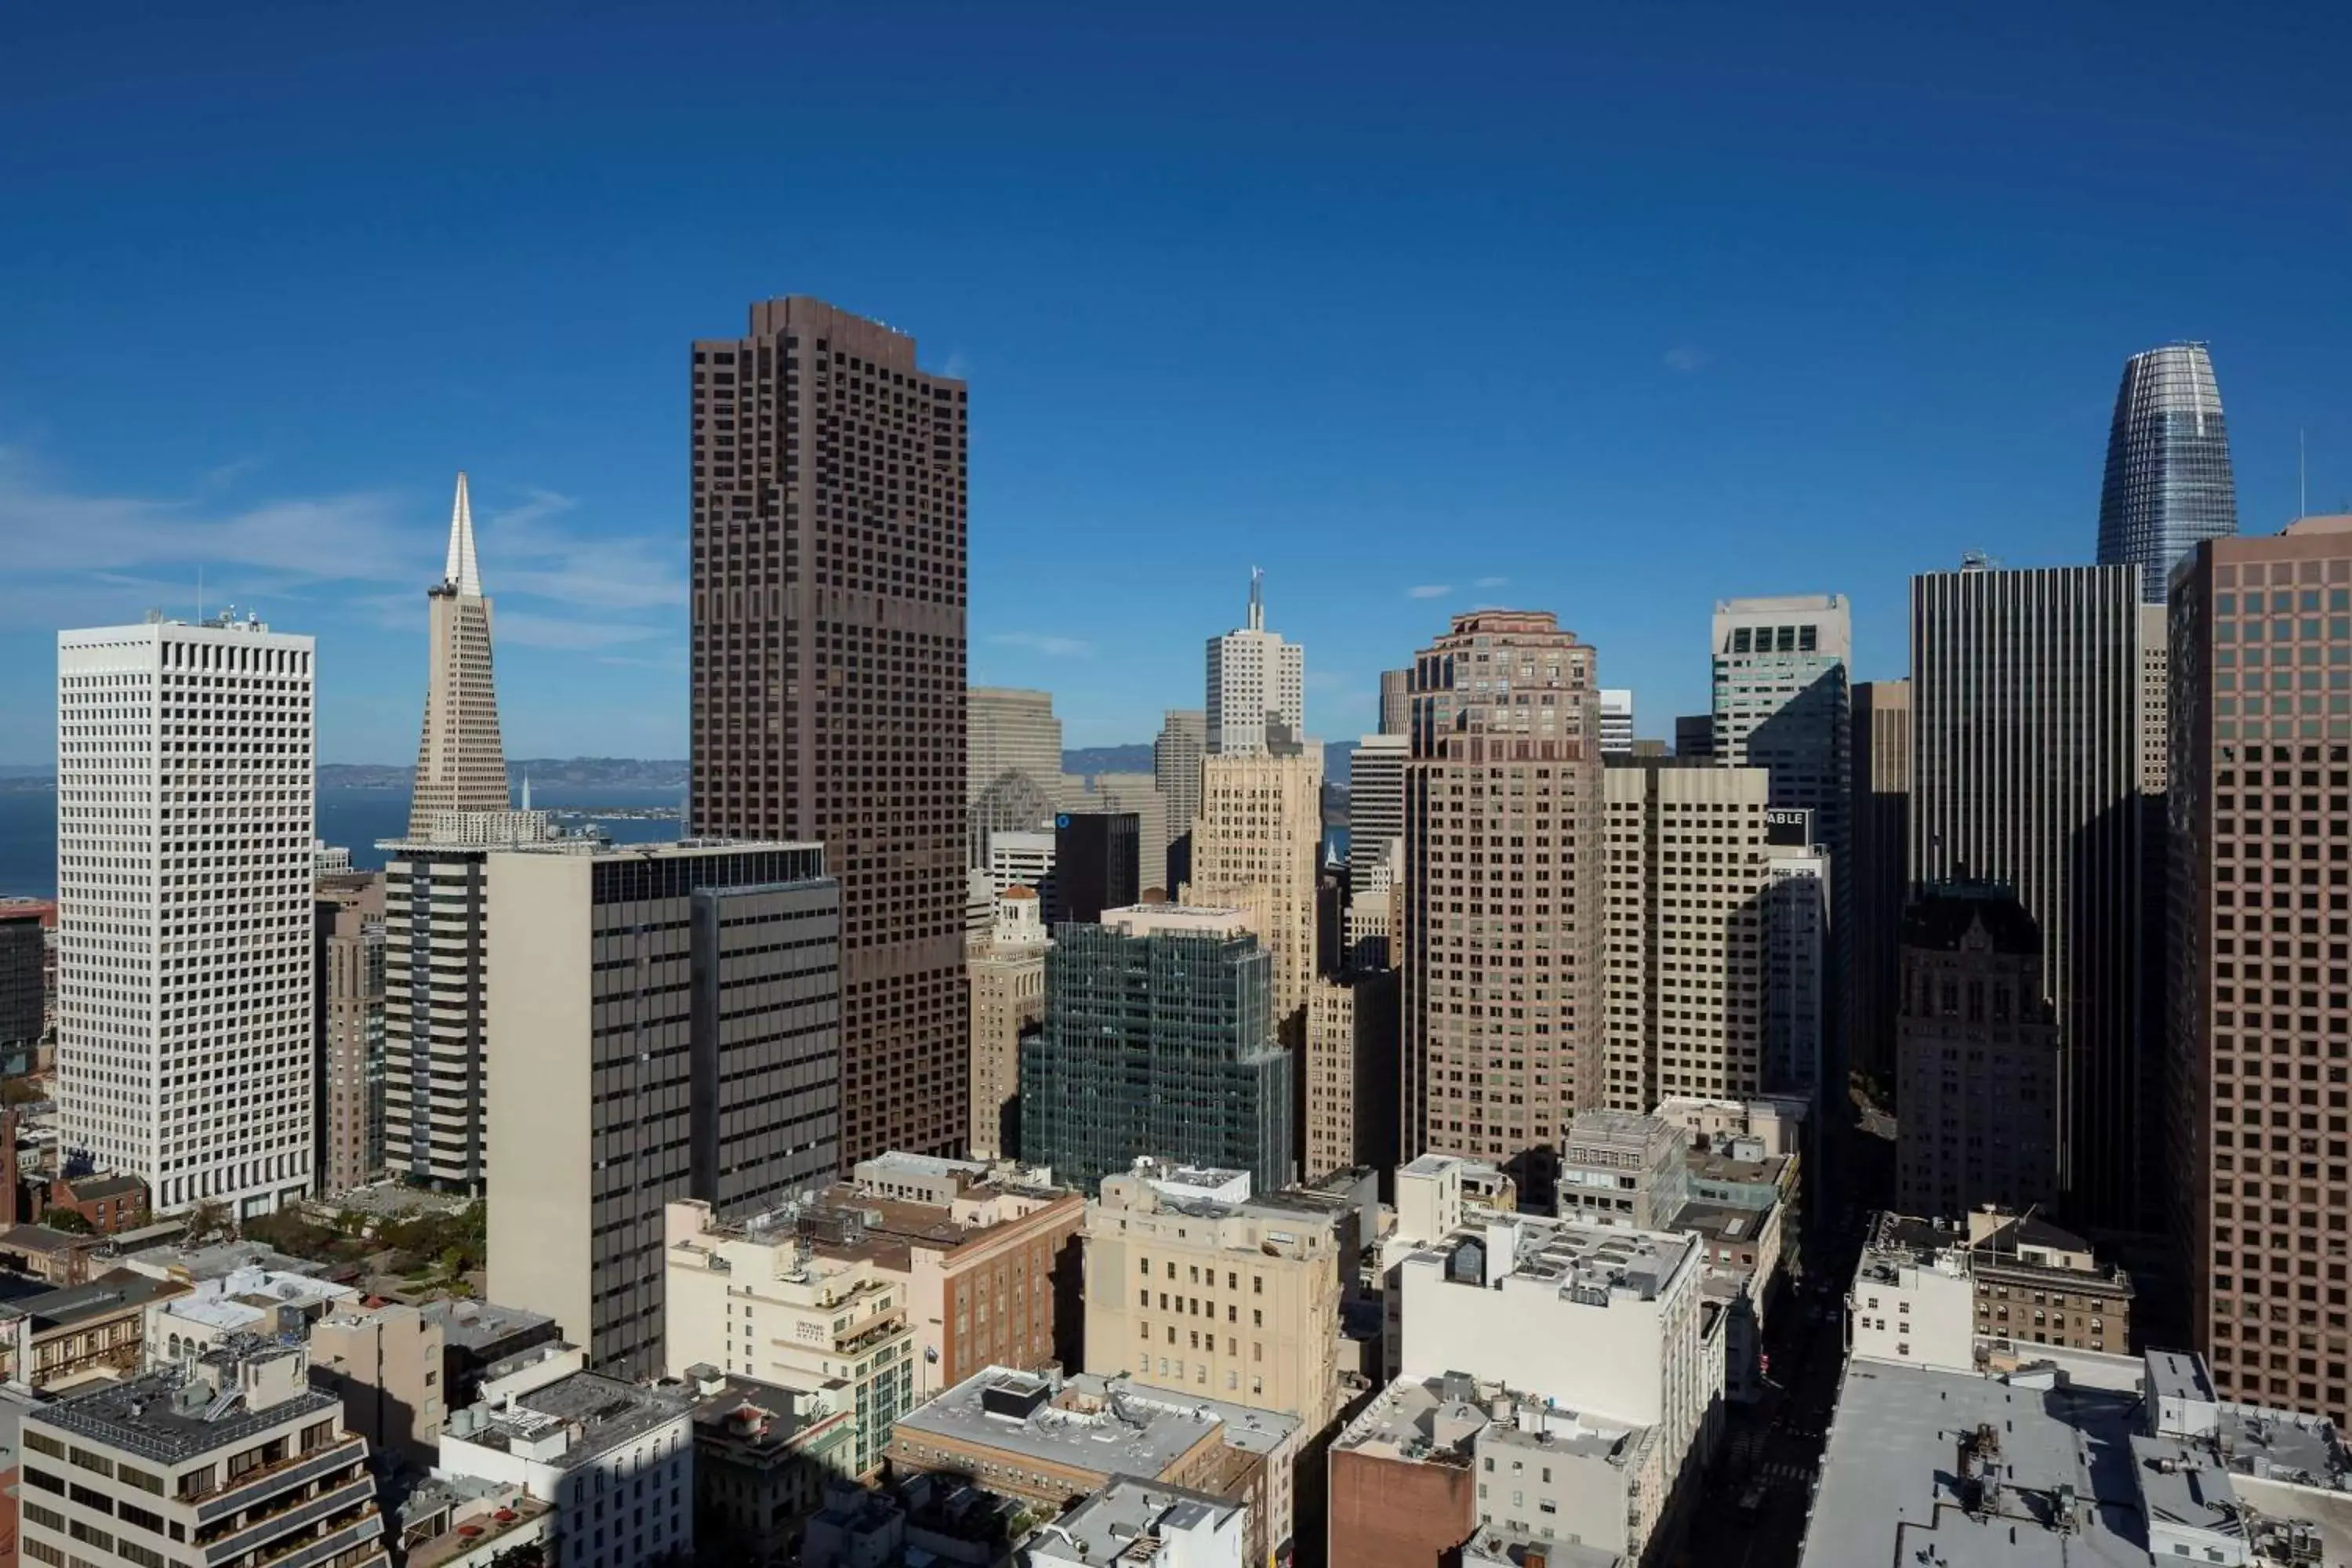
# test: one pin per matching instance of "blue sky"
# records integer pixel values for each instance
(1610, 311)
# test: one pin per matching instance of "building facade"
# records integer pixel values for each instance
(1396, 701)
(1799, 943)
(186, 1023)
(460, 764)
(1258, 846)
(763, 1301)
(1139, 793)
(1504, 1034)
(1007, 970)
(2258, 1005)
(1097, 865)
(1237, 1301)
(1350, 1081)
(2168, 480)
(232, 1455)
(1879, 849)
(350, 992)
(1176, 754)
(828, 670)
(665, 1020)
(1616, 722)
(24, 981)
(1977, 1068)
(1685, 927)
(2025, 772)
(1375, 804)
(1012, 765)
(1158, 1040)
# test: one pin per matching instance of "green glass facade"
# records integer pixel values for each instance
(1162, 1045)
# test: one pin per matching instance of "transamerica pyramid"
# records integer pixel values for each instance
(460, 765)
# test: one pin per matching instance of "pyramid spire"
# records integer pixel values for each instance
(462, 572)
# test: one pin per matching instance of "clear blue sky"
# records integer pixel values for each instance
(1633, 306)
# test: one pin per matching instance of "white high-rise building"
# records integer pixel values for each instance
(1616, 722)
(1254, 678)
(184, 879)
(1375, 805)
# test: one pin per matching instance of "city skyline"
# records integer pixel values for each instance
(1770, 407)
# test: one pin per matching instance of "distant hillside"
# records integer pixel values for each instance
(1084, 761)
(546, 773)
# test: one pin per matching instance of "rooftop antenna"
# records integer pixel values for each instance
(1257, 599)
(2302, 474)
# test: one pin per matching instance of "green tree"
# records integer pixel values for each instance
(208, 1221)
(72, 1222)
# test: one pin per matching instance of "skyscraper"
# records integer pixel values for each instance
(460, 765)
(2259, 1004)
(1096, 865)
(435, 952)
(1375, 804)
(1013, 764)
(1258, 848)
(1159, 1041)
(1176, 756)
(1255, 680)
(1685, 932)
(1617, 722)
(2025, 772)
(1396, 700)
(828, 659)
(1782, 702)
(2168, 481)
(186, 1030)
(1006, 965)
(350, 1000)
(1503, 980)
(663, 1016)
(1878, 876)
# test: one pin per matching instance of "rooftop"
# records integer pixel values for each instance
(116, 1290)
(1494, 1547)
(482, 1325)
(765, 1419)
(1117, 1525)
(175, 1415)
(1593, 1263)
(1101, 1424)
(217, 1260)
(1969, 1472)
(594, 1414)
(1424, 1420)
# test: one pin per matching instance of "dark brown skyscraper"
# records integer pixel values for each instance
(828, 675)
(2259, 1002)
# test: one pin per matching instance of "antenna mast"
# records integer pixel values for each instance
(1257, 599)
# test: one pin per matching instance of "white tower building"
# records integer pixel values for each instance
(184, 828)
(1254, 678)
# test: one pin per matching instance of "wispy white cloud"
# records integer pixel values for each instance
(1428, 591)
(1490, 582)
(1044, 643)
(1686, 359)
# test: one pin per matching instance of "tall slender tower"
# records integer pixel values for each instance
(460, 765)
(2168, 479)
(1504, 894)
(828, 668)
(184, 875)
(1256, 681)
(2025, 772)
(2259, 996)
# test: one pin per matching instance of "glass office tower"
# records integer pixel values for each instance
(2168, 482)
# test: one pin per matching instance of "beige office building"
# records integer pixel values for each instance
(1237, 1301)
(1350, 1082)
(1137, 792)
(759, 1302)
(1504, 893)
(1257, 848)
(1687, 869)
(1006, 970)
(667, 1026)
